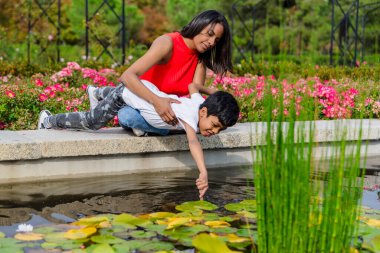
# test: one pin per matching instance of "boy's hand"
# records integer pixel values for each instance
(202, 184)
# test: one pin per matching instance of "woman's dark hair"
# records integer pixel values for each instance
(218, 61)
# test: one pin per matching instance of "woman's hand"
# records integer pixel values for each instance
(164, 109)
(202, 184)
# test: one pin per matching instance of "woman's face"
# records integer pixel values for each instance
(208, 37)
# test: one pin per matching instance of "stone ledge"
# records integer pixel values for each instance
(33, 144)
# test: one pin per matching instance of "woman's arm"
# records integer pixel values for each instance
(199, 79)
(159, 52)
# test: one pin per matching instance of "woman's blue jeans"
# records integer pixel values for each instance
(131, 118)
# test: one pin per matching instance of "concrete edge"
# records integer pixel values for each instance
(33, 144)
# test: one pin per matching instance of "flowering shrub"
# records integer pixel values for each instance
(21, 100)
(309, 99)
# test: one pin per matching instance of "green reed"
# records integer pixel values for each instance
(303, 204)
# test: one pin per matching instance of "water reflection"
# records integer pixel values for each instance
(62, 201)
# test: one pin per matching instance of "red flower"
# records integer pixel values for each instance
(2, 125)
(39, 82)
(10, 94)
(42, 97)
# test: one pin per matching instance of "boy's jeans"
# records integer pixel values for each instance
(131, 118)
(128, 116)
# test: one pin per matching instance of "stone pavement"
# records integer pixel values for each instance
(48, 154)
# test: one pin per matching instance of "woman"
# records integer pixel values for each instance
(173, 62)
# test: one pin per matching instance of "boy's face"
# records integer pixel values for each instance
(208, 125)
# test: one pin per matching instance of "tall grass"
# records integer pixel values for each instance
(305, 205)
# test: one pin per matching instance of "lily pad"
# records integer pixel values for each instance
(217, 224)
(11, 245)
(129, 246)
(185, 232)
(141, 234)
(130, 220)
(156, 228)
(196, 205)
(81, 233)
(29, 236)
(70, 244)
(372, 243)
(106, 239)
(49, 245)
(160, 215)
(208, 244)
(44, 230)
(245, 205)
(103, 248)
(156, 245)
(223, 230)
(91, 221)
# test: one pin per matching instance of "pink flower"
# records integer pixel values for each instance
(84, 86)
(10, 94)
(73, 66)
(58, 87)
(39, 82)
(4, 79)
(115, 121)
(42, 97)
(274, 91)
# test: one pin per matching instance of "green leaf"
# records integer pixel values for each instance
(196, 205)
(10, 245)
(128, 246)
(245, 205)
(225, 230)
(49, 245)
(106, 239)
(208, 244)
(141, 234)
(156, 246)
(45, 230)
(130, 220)
(91, 221)
(103, 248)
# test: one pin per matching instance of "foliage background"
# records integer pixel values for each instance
(283, 28)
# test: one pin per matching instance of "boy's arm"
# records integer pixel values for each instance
(197, 153)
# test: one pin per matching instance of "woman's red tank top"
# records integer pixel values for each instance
(174, 76)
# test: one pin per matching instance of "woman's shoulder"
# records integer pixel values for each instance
(163, 42)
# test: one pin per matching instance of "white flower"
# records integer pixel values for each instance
(24, 228)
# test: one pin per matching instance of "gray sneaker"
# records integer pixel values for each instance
(139, 132)
(43, 115)
(91, 96)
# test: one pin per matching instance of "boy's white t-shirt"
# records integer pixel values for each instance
(187, 110)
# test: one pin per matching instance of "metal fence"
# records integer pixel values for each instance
(347, 28)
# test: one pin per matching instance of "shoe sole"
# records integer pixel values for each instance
(93, 101)
(41, 121)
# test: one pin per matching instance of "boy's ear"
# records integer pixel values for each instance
(203, 112)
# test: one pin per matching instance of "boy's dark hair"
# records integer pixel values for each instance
(222, 105)
(218, 59)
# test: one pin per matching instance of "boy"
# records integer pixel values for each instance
(208, 117)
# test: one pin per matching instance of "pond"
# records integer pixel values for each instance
(63, 201)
